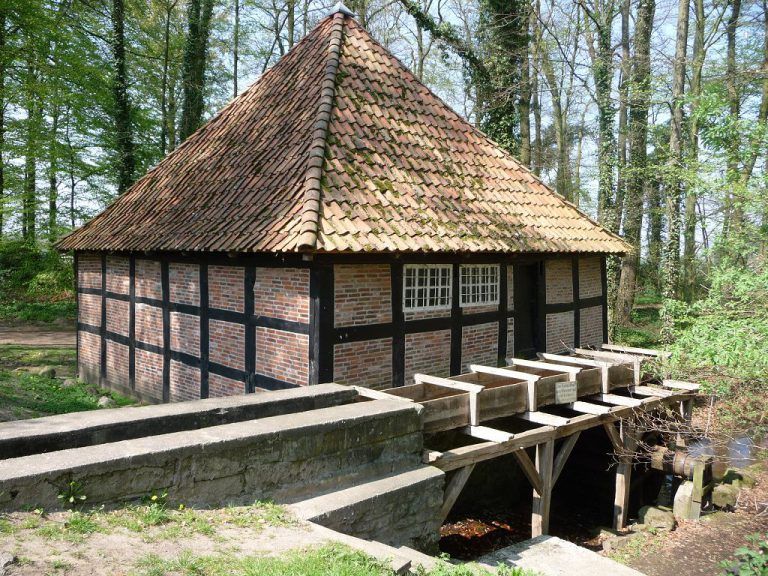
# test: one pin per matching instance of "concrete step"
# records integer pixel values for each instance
(398, 509)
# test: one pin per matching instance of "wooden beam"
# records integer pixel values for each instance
(454, 488)
(378, 394)
(650, 391)
(588, 408)
(504, 372)
(447, 383)
(488, 434)
(571, 370)
(544, 418)
(619, 359)
(623, 475)
(563, 454)
(573, 360)
(680, 385)
(465, 455)
(614, 436)
(542, 498)
(617, 400)
(633, 350)
(529, 469)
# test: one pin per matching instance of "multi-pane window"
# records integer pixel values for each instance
(479, 284)
(426, 286)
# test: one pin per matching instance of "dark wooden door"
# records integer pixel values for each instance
(526, 295)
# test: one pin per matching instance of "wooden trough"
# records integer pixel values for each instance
(602, 387)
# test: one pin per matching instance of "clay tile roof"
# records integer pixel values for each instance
(339, 148)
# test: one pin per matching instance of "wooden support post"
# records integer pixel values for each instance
(626, 442)
(542, 498)
(563, 454)
(697, 495)
(454, 488)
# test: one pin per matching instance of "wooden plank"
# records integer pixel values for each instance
(680, 385)
(634, 350)
(431, 456)
(623, 476)
(542, 498)
(544, 418)
(489, 434)
(378, 394)
(572, 370)
(529, 469)
(636, 361)
(563, 455)
(446, 383)
(454, 488)
(474, 409)
(588, 408)
(617, 400)
(504, 372)
(650, 391)
(697, 494)
(582, 422)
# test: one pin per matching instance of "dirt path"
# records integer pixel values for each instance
(38, 336)
(699, 547)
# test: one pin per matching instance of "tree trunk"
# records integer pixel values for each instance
(655, 226)
(538, 145)
(29, 196)
(53, 171)
(671, 256)
(560, 121)
(195, 58)
(524, 106)
(732, 220)
(125, 153)
(164, 86)
(2, 120)
(638, 153)
(623, 104)
(689, 220)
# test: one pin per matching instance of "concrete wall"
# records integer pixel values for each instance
(285, 458)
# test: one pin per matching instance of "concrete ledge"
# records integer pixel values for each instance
(399, 509)
(38, 435)
(281, 457)
(552, 556)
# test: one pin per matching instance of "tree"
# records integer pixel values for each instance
(126, 162)
(638, 154)
(199, 14)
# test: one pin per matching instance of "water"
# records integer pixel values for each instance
(739, 452)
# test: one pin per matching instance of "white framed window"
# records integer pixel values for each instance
(427, 286)
(479, 284)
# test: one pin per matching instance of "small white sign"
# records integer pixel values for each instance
(566, 392)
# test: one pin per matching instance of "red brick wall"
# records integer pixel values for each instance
(362, 294)
(185, 333)
(147, 280)
(510, 337)
(118, 316)
(227, 344)
(223, 386)
(184, 283)
(118, 274)
(559, 278)
(283, 355)
(282, 293)
(89, 356)
(89, 309)
(510, 287)
(149, 374)
(590, 278)
(428, 353)
(366, 363)
(117, 364)
(479, 345)
(559, 331)
(591, 326)
(89, 271)
(185, 382)
(149, 324)
(225, 287)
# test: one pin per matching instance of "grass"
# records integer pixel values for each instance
(28, 395)
(329, 560)
(17, 312)
(641, 544)
(644, 332)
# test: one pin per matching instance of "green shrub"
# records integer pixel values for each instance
(29, 272)
(751, 560)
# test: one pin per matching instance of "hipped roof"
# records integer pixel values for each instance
(339, 148)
